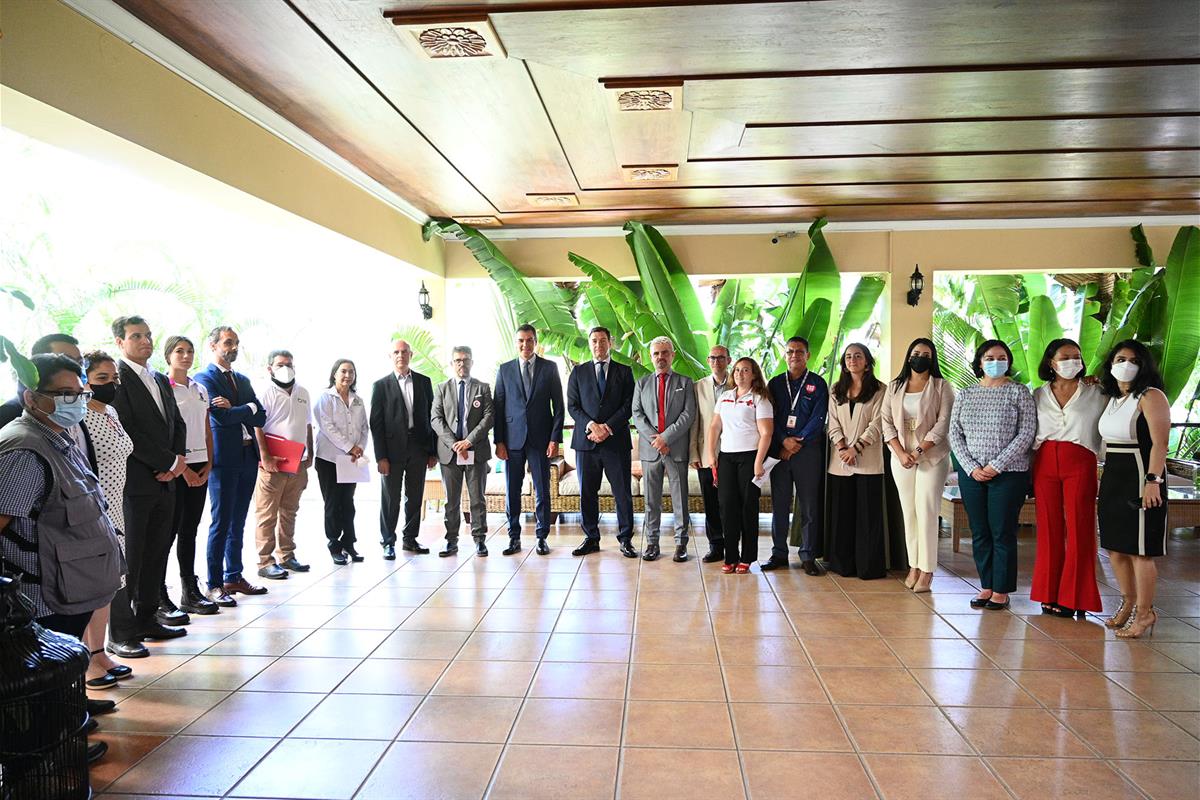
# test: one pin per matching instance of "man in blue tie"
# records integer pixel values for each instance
(600, 400)
(529, 427)
(461, 419)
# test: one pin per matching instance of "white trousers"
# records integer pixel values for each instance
(920, 490)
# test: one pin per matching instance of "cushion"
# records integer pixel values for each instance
(496, 484)
(569, 485)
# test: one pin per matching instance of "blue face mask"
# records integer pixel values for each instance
(995, 369)
(66, 414)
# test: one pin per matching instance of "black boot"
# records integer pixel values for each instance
(193, 601)
(169, 613)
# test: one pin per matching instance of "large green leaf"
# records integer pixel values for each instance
(1141, 247)
(669, 290)
(862, 302)
(998, 298)
(956, 342)
(18, 295)
(427, 356)
(27, 373)
(1090, 326)
(736, 313)
(815, 324)
(1044, 328)
(1181, 327)
(819, 280)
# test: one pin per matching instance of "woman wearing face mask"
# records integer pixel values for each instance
(1064, 482)
(1135, 425)
(856, 544)
(992, 429)
(916, 422)
(112, 446)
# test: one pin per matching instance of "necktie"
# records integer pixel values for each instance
(662, 402)
(600, 378)
(527, 376)
(462, 408)
(232, 385)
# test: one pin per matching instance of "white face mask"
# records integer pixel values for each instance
(1125, 371)
(283, 374)
(1068, 368)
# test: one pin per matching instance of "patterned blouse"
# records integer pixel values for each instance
(113, 446)
(993, 425)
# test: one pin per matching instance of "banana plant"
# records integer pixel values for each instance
(1181, 327)
(819, 280)
(26, 372)
(668, 289)
(427, 356)
(856, 314)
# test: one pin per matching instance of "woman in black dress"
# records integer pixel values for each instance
(1135, 425)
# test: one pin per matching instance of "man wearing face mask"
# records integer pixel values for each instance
(234, 411)
(277, 493)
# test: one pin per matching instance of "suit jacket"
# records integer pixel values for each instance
(158, 438)
(681, 414)
(478, 423)
(390, 435)
(706, 405)
(227, 423)
(933, 417)
(528, 422)
(861, 426)
(585, 405)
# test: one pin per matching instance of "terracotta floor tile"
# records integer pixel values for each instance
(410, 578)
(930, 777)
(1026, 654)
(669, 601)
(981, 625)
(1070, 779)
(593, 621)
(761, 651)
(754, 684)
(872, 686)
(911, 626)
(161, 710)
(669, 774)
(354, 716)
(363, 618)
(461, 597)
(259, 642)
(295, 616)
(754, 602)
(436, 645)
(561, 721)
(1187, 654)
(443, 619)
(199, 765)
(339, 643)
(1132, 734)
(214, 672)
(972, 687)
(531, 598)
(1162, 691)
(462, 719)
(145, 672)
(903, 729)
(893, 604)
(673, 622)
(487, 678)
(448, 771)
(787, 726)
(676, 682)
(322, 769)
(850, 652)
(537, 772)
(1188, 720)
(255, 714)
(940, 653)
(583, 680)
(194, 642)
(1017, 732)
(290, 674)
(601, 600)
(504, 646)
(527, 620)
(402, 598)
(124, 750)
(393, 676)
(772, 775)
(1163, 780)
(651, 723)
(588, 647)
(665, 648)
(816, 604)
(751, 623)
(813, 626)
(1069, 689)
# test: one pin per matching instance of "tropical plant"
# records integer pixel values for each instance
(27, 373)
(427, 356)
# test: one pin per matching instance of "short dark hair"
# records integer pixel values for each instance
(271, 356)
(1045, 369)
(333, 372)
(121, 323)
(42, 346)
(214, 335)
(96, 358)
(172, 343)
(935, 370)
(1148, 376)
(801, 340)
(600, 329)
(977, 361)
(50, 364)
(527, 328)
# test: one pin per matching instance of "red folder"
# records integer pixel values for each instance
(290, 451)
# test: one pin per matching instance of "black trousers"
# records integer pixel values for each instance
(70, 624)
(339, 506)
(712, 508)
(739, 506)
(189, 508)
(405, 482)
(148, 524)
(857, 546)
(617, 465)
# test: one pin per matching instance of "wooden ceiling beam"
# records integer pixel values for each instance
(467, 12)
(941, 153)
(1010, 118)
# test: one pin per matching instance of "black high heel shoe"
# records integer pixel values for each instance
(354, 556)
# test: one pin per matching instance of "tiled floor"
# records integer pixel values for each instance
(554, 677)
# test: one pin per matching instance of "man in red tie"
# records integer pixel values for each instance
(664, 407)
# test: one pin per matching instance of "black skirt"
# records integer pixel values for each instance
(1126, 527)
(856, 546)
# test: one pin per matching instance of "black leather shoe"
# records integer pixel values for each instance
(98, 707)
(90, 726)
(414, 547)
(774, 563)
(105, 681)
(193, 600)
(96, 751)
(980, 602)
(652, 552)
(716, 552)
(588, 546)
(542, 548)
(121, 672)
(218, 596)
(812, 568)
(389, 552)
(451, 550)
(481, 548)
(176, 618)
(157, 631)
(681, 553)
(292, 565)
(273, 572)
(339, 558)
(352, 554)
(992, 605)
(130, 649)
(514, 546)
(628, 551)
(165, 605)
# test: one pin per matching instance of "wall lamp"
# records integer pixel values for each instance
(423, 302)
(916, 284)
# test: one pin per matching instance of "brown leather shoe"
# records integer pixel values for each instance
(241, 585)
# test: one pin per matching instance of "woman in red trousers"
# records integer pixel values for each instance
(1064, 483)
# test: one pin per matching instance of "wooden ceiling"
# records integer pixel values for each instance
(566, 113)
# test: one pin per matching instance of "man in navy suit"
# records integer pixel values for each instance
(600, 400)
(529, 428)
(233, 412)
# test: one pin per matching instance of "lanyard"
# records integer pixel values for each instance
(793, 399)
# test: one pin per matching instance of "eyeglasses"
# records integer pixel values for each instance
(718, 358)
(71, 397)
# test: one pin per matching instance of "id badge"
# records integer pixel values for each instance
(791, 421)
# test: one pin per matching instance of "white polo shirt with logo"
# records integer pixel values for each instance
(288, 415)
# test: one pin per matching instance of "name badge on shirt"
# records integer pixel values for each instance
(791, 421)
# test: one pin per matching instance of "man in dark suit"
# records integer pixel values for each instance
(599, 399)
(233, 412)
(462, 419)
(146, 406)
(401, 406)
(529, 425)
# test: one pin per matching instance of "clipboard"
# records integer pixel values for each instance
(291, 452)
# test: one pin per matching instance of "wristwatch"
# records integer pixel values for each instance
(1152, 478)
(920, 450)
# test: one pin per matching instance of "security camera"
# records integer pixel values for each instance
(784, 235)
(774, 240)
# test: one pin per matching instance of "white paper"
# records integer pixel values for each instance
(768, 464)
(466, 458)
(351, 470)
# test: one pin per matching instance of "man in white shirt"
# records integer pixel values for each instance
(707, 393)
(280, 482)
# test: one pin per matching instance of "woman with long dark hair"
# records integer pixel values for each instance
(856, 541)
(743, 423)
(1136, 425)
(1064, 482)
(915, 419)
(341, 417)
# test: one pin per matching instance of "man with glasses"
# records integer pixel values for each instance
(707, 392)
(462, 419)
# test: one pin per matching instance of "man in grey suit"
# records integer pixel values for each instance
(664, 406)
(462, 419)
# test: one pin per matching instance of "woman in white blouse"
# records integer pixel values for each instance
(341, 418)
(916, 423)
(1064, 483)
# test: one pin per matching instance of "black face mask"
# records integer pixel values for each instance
(920, 364)
(104, 392)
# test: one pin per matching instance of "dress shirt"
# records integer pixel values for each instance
(148, 381)
(340, 427)
(406, 389)
(232, 380)
(1078, 422)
